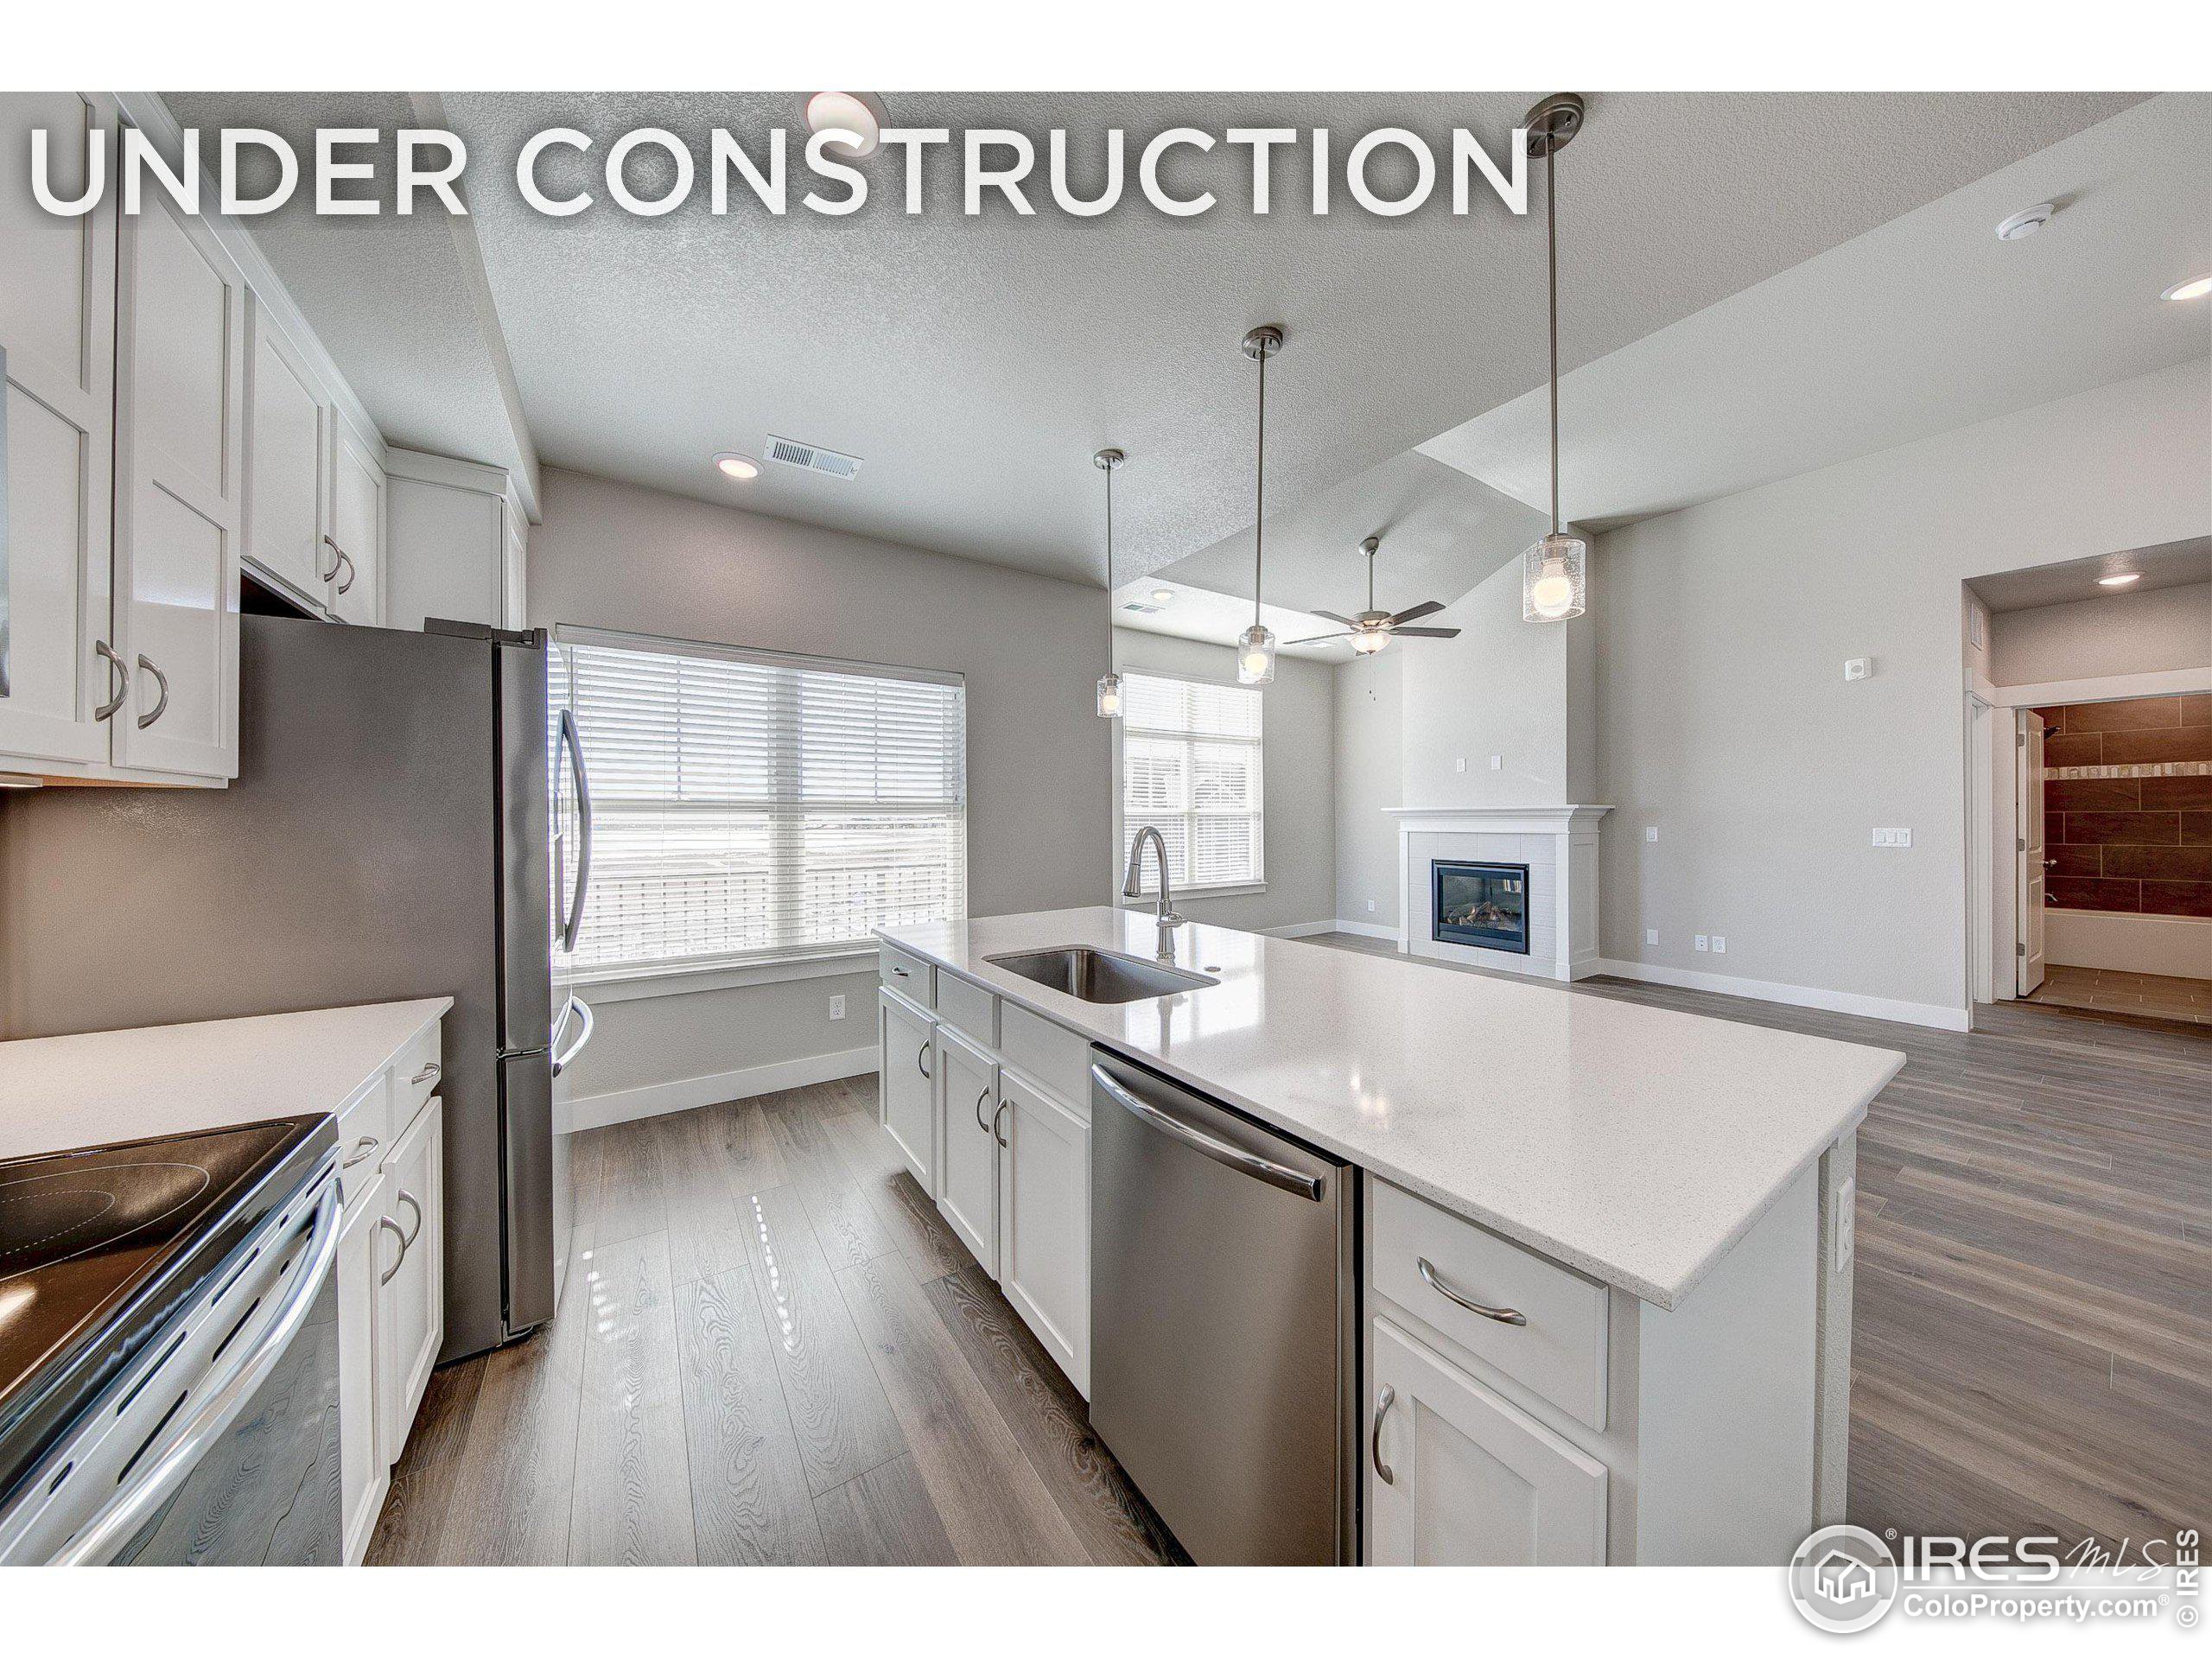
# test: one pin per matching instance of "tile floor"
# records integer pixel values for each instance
(2158, 996)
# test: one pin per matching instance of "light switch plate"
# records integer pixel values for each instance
(1651, 832)
(1497, 763)
(1651, 936)
(1893, 837)
(1461, 765)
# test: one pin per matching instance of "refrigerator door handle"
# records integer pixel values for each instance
(573, 741)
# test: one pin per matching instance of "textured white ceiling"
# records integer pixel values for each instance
(1922, 325)
(977, 363)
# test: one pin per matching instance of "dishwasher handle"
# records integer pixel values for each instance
(1249, 1163)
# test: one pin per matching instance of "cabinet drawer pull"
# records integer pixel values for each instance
(999, 1114)
(408, 1198)
(921, 1060)
(1437, 1282)
(362, 1148)
(347, 559)
(390, 1273)
(1383, 1402)
(161, 687)
(431, 1072)
(337, 553)
(116, 665)
(980, 1124)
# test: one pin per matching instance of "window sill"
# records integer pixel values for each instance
(1235, 890)
(631, 984)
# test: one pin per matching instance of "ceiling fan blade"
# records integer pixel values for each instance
(1425, 634)
(1316, 639)
(1331, 616)
(1427, 608)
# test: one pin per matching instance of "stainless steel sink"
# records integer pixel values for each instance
(1079, 971)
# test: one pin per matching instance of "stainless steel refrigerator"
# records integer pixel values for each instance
(390, 835)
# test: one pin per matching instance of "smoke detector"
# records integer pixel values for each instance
(811, 457)
(2026, 222)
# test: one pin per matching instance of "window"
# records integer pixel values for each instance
(748, 807)
(1190, 769)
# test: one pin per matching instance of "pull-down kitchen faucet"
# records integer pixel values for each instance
(1132, 884)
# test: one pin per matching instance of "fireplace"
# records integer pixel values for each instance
(1481, 905)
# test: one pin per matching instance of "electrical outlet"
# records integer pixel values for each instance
(1845, 1231)
(1720, 945)
(837, 1007)
(1370, 906)
(1651, 832)
(1651, 936)
(1702, 943)
(1462, 765)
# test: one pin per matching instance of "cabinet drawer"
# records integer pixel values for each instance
(974, 1010)
(909, 976)
(414, 1078)
(364, 1135)
(1051, 1054)
(1559, 1352)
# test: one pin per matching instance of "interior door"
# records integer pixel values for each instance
(2035, 864)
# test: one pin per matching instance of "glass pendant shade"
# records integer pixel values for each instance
(1552, 578)
(1368, 641)
(1256, 656)
(1109, 697)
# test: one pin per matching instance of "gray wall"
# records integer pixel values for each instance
(1297, 768)
(2119, 633)
(618, 556)
(1370, 713)
(1724, 718)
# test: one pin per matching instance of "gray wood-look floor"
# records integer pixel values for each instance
(772, 1350)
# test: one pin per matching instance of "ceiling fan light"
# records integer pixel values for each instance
(1553, 578)
(1368, 641)
(1256, 656)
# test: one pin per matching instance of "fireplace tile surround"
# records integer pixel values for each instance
(1559, 845)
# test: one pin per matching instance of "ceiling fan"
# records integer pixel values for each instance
(1371, 629)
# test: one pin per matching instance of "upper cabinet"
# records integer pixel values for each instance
(356, 538)
(455, 531)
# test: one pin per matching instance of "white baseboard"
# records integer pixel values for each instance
(1301, 930)
(1795, 996)
(1365, 930)
(626, 1105)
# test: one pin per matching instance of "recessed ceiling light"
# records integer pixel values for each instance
(1163, 596)
(858, 113)
(2026, 222)
(2120, 581)
(2194, 289)
(737, 466)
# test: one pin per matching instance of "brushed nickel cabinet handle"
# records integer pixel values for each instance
(347, 559)
(337, 553)
(1443, 1287)
(431, 1072)
(980, 1124)
(366, 1144)
(921, 1060)
(116, 665)
(999, 1114)
(162, 685)
(391, 1272)
(408, 1198)
(1383, 1402)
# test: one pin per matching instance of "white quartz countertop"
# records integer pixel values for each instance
(61, 1092)
(1635, 1143)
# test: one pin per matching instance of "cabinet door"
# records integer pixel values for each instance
(363, 1477)
(968, 1176)
(1045, 1221)
(907, 1103)
(287, 434)
(356, 525)
(1472, 1480)
(180, 394)
(57, 439)
(410, 1292)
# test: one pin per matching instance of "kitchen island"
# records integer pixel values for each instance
(1668, 1188)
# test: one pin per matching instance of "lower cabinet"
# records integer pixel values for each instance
(968, 1173)
(364, 1476)
(411, 1301)
(1458, 1477)
(1043, 1242)
(908, 1106)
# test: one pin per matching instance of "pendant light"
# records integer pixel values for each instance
(1109, 462)
(1255, 646)
(1554, 570)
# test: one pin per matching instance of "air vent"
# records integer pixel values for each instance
(812, 457)
(1144, 607)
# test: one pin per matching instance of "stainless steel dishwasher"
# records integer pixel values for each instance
(1224, 1319)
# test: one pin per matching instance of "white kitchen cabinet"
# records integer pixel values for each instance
(1456, 1476)
(287, 436)
(364, 1476)
(968, 1171)
(410, 1277)
(908, 1102)
(358, 488)
(1043, 1254)
(453, 543)
(179, 495)
(57, 445)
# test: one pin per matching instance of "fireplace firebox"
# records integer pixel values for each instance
(1481, 905)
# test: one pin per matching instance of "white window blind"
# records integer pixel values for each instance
(748, 808)
(1190, 769)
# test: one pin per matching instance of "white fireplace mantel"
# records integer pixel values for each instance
(1563, 923)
